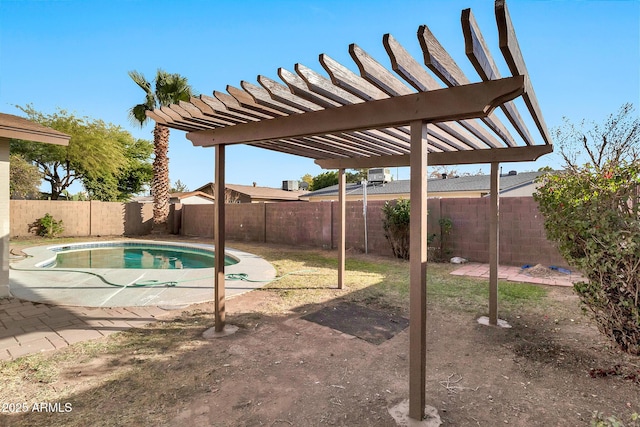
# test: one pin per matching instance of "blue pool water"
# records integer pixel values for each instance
(137, 256)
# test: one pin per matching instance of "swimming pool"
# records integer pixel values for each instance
(36, 279)
(135, 255)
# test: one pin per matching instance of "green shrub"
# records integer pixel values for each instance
(593, 214)
(49, 227)
(395, 223)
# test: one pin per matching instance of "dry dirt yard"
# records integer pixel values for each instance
(552, 368)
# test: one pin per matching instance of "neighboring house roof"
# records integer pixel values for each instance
(176, 197)
(436, 187)
(257, 193)
(15, 127)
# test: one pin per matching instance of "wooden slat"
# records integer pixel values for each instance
(283, 94)
(247, 101)
(311, 143)
(222, 112)
(283, 146)
(372, 71)
(346, 79)
(323, 86)
(175, 117)
(408, 68)
(460, 102)
(479, 55)
(443, 65)
(336, 145)
(298, 86)
(210, 112)
(378, 142)
(196, 118)
(513, 56)
(233, 106)
(504, 155)
(360, 141)
(262, 97)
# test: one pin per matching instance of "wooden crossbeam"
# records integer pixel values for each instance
(298, 86)
(513, 56)
(474, 100)
(409, 69)
(478, 53)
(443, 65)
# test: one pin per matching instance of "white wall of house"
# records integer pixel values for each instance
(196, 200)
(5, 223)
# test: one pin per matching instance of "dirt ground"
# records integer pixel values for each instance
(552, 368)
(289, 371)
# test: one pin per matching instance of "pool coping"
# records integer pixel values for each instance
(116, 287)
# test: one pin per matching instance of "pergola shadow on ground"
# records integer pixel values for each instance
(381, 118)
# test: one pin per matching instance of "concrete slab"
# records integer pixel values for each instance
(127, 287)
(517, 274)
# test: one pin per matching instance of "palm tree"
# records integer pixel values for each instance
(169, 89)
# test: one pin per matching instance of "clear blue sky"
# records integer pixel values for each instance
(583, 58)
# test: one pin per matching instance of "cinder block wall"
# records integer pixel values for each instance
(75, 216)
(522, 235)
(106, 218)
(306, 224)
(83, 218)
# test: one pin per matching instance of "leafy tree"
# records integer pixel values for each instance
(169, 89)
(308, 179)
(95, 149)
(325, 179)
(396, 226)
(357, 176)
(24, 178)
(179, 187)
(135, 174)
(593, 213)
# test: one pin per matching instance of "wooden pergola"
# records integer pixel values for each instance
(382, 117)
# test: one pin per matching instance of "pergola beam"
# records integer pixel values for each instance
(455, 103)
(502, 155)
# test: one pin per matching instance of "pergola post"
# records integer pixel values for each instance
(341, 226)
(494, 246)
(219, 238)
(418, 271)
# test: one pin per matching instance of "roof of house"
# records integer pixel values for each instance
(266, 192)
(436, 185)
(175, 196)
(15, 127)
(256, 192)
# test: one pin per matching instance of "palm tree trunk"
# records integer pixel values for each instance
(160, 184)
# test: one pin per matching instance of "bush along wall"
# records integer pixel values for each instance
(593, 215)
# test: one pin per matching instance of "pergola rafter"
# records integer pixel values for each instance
(384, 117)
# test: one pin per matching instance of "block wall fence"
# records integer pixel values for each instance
(522, 235)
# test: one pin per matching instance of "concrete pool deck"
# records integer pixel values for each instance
(120, 287)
